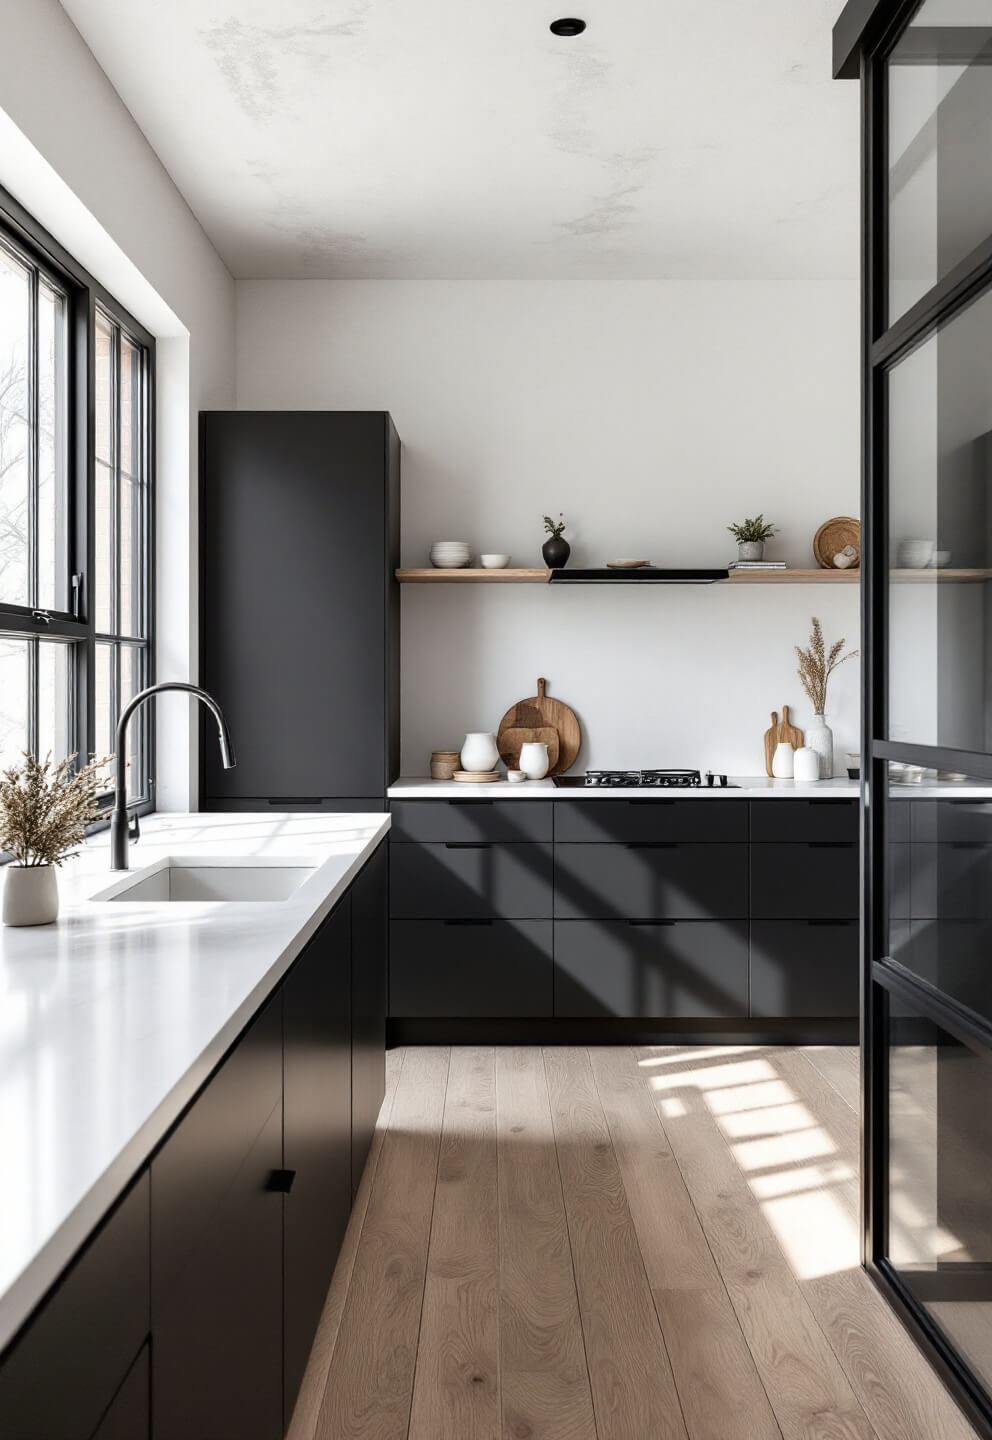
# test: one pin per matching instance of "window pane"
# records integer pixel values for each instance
(14, 692)
(104, 390)
(55, 690)
(940, 530)
(15, 300)
(130, 446)
(132, 680)
(104, 582)
(53, 426)
(106, 704)
(132, 520)
(940, 152)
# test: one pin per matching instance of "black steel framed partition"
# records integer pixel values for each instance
(925, 71)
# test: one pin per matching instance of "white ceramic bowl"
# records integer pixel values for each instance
(915, 554)
(450, 554)
(494, 562)
(515, 776)
(940, 559)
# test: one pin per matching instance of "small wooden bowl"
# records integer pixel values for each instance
(444, 763)
(832, 536)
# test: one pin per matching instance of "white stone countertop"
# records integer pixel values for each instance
(749, 787)
(112, 1019)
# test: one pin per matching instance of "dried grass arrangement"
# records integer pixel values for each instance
(45, 808)
(817, 664)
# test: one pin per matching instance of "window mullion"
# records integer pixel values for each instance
(33, 423)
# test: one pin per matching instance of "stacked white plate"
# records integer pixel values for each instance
(450, 554)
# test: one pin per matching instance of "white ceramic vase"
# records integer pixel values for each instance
(479, 751)
(30, 895)
(820, 737)
(534, 759)
(782, 761)
(806, 764)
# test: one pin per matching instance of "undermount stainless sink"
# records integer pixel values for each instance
(205, 878)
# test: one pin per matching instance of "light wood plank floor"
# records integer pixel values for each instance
(655, 1243)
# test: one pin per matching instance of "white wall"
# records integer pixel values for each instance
(653, 414)
(73, 156)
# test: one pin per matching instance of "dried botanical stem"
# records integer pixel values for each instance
(816, 665)
(45, 809)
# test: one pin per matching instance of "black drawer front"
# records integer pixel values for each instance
(680, 969)
(470, 879)
(801, 968)
(58, 1379)
(439, 820)
(811, 881)
(967, 821)
(656, 818)
(788, 819)
(650, 881)
(494, 968)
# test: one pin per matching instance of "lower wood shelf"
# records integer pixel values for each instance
(502, 577)
(736, 577)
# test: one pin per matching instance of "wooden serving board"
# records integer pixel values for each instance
(515, 736)
(539, 712)
(778, 733)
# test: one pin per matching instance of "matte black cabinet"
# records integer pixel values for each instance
(675, 969)
(129, 1416)
(663, 909)
(217, 1235)
(299, 538)
(461, 968)
(317, 1133)
(60, 1378)
(664, 880)
(369, 984)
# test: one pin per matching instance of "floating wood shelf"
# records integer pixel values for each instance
(736, 577)
(794, 577)
(449, 577)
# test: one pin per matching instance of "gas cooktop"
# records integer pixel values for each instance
(644, 780)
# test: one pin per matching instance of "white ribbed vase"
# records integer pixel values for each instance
(820, 737)
(30, 895)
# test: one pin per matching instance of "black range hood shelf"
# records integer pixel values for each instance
(641, 575)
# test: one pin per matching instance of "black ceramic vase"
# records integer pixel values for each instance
(556, 552)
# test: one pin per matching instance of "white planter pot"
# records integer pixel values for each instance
(30, 895)
(782, 761)
(479, 751)
(750, 549)
(807, 766)
(534, 759)
(820, 737)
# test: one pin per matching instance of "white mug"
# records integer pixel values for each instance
(534, 759)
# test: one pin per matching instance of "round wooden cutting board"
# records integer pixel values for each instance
(539, 712)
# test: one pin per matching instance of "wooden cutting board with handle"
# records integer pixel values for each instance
(514, 736)
(780, 732)
(540, 712)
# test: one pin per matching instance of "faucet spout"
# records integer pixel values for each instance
(119, 831)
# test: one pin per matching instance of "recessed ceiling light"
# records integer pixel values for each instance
(567, 27)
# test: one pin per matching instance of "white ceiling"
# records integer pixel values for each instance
(448, 138)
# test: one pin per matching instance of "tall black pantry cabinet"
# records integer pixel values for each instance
(299, 607)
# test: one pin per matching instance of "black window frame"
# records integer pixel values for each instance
(85, 298)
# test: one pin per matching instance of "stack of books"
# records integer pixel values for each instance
(758, 565)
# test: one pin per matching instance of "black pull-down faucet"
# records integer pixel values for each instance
(120, 832)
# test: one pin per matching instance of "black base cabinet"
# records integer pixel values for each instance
(60, 1378)
(317, 1133)
(190, 1313)
(675, 912)
(217, 1235)
(369, 982)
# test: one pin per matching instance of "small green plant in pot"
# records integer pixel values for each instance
(44, 812)
(751, 536)
(555, 550)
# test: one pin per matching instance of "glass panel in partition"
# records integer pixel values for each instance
(939, 146)
(940, 537)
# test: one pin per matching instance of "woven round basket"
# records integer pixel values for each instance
(832, 536)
